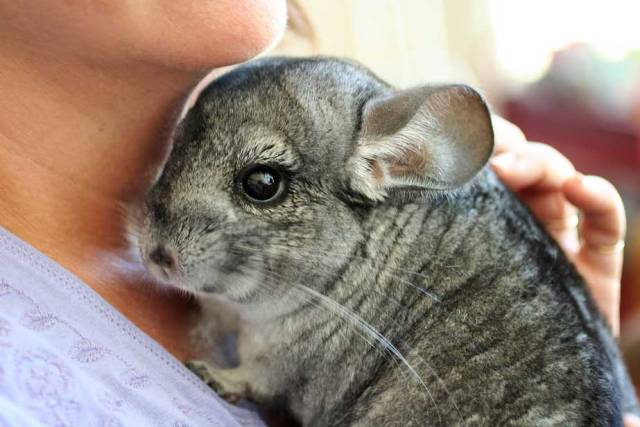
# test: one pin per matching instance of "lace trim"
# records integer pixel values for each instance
(85, 350)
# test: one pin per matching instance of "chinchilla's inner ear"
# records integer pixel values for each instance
(425, 138)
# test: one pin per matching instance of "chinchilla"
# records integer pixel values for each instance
(380, 273)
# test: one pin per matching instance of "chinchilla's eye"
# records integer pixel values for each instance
(262, 183)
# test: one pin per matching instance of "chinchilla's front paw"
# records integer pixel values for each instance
(221, 381)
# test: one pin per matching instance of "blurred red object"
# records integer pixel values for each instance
(595, 144)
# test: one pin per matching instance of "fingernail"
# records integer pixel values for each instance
(579, 178)
(504, 161)
(595, 184)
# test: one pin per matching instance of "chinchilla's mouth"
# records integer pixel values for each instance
(165, 277)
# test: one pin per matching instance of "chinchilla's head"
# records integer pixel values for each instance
(274, 168)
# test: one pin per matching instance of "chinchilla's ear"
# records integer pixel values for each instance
(420, 139)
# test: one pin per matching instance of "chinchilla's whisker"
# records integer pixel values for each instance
(322, 255)
(349, 322)
(373, 332)
(402, 270)
(391, 352)
(365, 335)
(369, 334)
(264, 288)
(247, 251)
(351, 318)
(319, 254)
(422, 360)
(308, 298)
(394, 300)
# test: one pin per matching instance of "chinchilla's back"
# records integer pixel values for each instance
(503, 331)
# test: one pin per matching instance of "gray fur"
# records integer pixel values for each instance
(378, 304)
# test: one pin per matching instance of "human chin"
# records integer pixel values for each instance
(222, 32)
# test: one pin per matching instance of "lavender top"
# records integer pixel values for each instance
(68, 358)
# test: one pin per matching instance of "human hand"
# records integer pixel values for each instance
(549, 185)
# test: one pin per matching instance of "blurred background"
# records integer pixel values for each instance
(567, 72)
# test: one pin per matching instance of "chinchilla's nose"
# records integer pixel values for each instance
(165, 258)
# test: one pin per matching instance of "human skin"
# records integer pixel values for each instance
(89, 90)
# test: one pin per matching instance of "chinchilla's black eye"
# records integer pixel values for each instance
(262, 183)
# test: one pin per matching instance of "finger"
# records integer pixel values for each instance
(605, 292)
(603, 224)
(631, 420)
(601, 205)
(506, 134)
(602, 227)
(558, 216)
(533, 166)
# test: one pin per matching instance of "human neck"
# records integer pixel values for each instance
(76, 143)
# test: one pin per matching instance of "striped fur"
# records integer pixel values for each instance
(432, 308)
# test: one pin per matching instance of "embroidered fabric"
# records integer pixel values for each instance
(68, 358)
